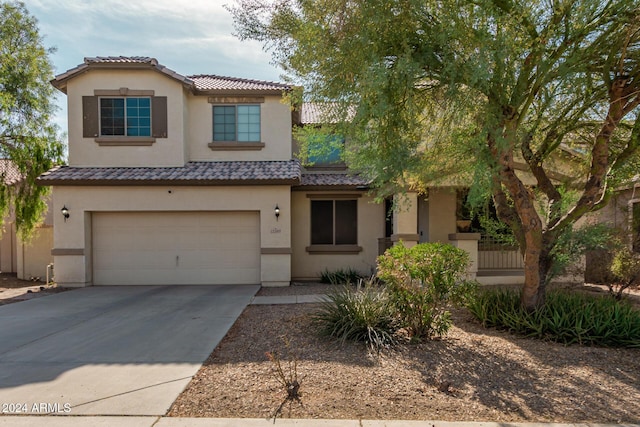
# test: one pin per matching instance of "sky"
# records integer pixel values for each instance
(187, 36)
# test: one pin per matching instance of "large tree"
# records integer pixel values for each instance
(484, 87)
(29, 142)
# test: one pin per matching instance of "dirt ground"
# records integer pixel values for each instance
(472, 374)
(14, 290)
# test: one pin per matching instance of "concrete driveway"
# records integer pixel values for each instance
(117, 350)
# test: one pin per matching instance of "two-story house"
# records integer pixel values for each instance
(178, 179)
(191, 180)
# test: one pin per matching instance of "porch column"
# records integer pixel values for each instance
(405, 219)
(469, 243)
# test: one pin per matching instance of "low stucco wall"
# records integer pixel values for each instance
(34, 256)
(307, 266)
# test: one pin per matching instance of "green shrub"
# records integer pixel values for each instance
(341, 276)
(625, 268)
(423, 281)
(566, 317)
(362, 315)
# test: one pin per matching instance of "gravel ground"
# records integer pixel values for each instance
(472, 374)
(14, 290)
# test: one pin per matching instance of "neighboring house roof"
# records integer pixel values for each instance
(332, 180)
(9, 172)
(198, 83)
(316, 113)
(193, 173)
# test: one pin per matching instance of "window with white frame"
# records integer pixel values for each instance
(125, 116)
(239, 123)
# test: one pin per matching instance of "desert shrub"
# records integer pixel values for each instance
(362, 315)
(423, 281)
(566, 317)
(341, 276)
(625, 268)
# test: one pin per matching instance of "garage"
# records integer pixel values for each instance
(173, 248)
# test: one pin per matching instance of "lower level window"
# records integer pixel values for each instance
(334, 222)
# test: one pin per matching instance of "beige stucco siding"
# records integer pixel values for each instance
(34, 256)
(73, 237)
(168, 151)
(371, 223)
(275, 132)
(442, 214)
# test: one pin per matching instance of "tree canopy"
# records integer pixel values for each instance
(29, 142)
(481, 89)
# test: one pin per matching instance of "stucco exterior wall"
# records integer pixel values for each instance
(34, 256)
(168, 151)
(442, 214)
(73, 238)
(8, 247)
(275, 132)
(306, 266)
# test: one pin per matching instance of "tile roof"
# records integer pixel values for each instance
(318, 113)
(9, 172)
(193, 173)
(200, 82)
(213, 82)
(332, 180)
(60, 81)
(121, 59)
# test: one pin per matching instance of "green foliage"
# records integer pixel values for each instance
(463, 91)
(625, 268)
(361, 315)
(28, 138)
(423, 281)
(341, 276)
(572, 244)
(567, 318)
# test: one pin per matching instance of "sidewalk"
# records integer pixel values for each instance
(70, 421)
(288, 299)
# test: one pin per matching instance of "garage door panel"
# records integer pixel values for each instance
(176, 248)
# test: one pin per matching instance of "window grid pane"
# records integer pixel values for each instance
(249, 123)
(134, 112)
(224, 123)
(112, 116)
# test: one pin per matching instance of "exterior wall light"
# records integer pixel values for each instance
(277, 212)
(65, 213)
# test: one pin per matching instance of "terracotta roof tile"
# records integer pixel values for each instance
(213, 82)
(332, 180)
(318, 113)
(193, 173)
(9, 172)
(121, 59)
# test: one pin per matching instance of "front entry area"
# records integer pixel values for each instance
(188, 248)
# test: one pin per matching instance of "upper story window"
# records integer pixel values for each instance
(325, 150)
(118, 117)
(130, 116)
(239, 123)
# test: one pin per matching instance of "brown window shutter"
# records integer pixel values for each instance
(159, 116)
(90, 126)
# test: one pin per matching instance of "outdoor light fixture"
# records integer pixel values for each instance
(277, 212)
(65, 212)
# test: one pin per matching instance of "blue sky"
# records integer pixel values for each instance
(190, 37)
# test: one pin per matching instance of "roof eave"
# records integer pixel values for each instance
(60, 81)
(172, 182)
(227, 92)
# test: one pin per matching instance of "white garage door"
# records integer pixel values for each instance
(167, 248)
